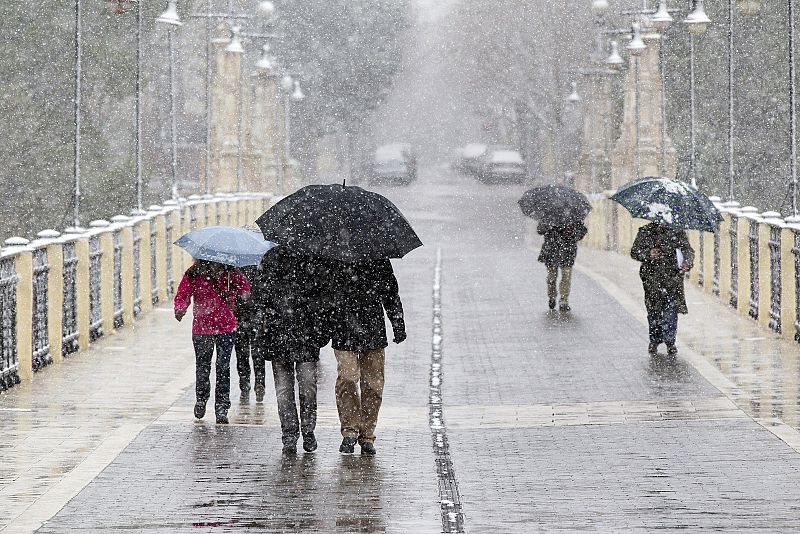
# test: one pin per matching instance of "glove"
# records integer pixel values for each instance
(399, 335)
(179, 315)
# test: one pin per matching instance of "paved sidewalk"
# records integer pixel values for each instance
(554, 422)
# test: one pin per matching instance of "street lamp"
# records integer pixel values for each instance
(574, 98)
(614, 60)
(235, 47)
(697, 21)
(297, 94)
(599, 6)
(792, 108)
(748, 8)
(637, 48)
(76, 220)
(265, 9)
(661, 21)
(172, 20)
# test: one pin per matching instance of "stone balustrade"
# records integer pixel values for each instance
(751, 263)
(61, 292)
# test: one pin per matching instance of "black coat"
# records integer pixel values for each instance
(560, 243)
(661, 277)
(246, 310)
(360, 292)
(289, 296)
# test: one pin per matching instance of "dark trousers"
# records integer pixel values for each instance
(204, 352)
(663, 322)
(246, 350)
(284, 373)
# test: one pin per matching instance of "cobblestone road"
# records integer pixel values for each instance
(554, 422)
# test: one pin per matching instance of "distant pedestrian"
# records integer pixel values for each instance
(213, 288)
(288, 294)
(360, 293)
(666, 257)
(558, 252)
(246, 350)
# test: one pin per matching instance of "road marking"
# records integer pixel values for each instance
(449, 495)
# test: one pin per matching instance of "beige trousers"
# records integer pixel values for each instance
(566, 282)
(359, 392)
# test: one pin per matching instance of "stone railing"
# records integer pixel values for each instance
(751, 263)
(60, 293)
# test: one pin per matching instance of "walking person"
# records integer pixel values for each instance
(288, 295)
(360, 294)
(213, 288)
(558, 254)
(246, 349)
(666, 257)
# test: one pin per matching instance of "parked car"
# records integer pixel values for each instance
(502, 164)
(468, 156)
(394, 162)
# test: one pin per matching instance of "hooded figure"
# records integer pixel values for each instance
(246, 317)
(559, 250)
(360, 293)
(289, 299)
(666, 257)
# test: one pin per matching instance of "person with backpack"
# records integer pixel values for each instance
(213, 288)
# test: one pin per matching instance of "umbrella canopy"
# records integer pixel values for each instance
(669, 202)
(237, 247)
(555, 204)
(339, 222)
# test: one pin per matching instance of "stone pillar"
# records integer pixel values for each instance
(593, 171)
(225, 95)
(264, 136)
(623, 158)
(788, 280)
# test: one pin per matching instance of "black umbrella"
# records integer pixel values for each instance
(554, 204)
(339, 222)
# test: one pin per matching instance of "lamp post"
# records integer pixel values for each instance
(172, 20)
(138, 104)
(697, 22)
(661, 21)
(76, 219)
(637, 48)
(792, 109)
(730, 101)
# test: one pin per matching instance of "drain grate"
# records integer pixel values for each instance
(449, 496)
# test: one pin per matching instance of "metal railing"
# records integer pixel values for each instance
(137, 273)
(69, 327)
(734, 236)
(775, 278)
(701, 275)
(95, 299)
(717, 264)
(169, 231)
(153, 265)
(40, 321)
(9, 358)
(119, 319)
(753, 240)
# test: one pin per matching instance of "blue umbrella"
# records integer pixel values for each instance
(669, 202)
(237, 247)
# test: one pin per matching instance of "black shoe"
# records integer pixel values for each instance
(672, 350)
(564, 307)
(199, 409)
(348, 446)
(652, 348)
(259, 393)
(552, 304)
(244, 397)
(222, 419)
(289, 449)
(309, 442)
(368, 449)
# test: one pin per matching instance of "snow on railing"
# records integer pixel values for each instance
(62, 292)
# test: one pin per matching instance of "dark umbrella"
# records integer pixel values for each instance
(339, 222)
(555, 204)
(669, 202)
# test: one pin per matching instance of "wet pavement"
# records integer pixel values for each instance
(553, 421)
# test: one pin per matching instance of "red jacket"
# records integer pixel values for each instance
(212, 314)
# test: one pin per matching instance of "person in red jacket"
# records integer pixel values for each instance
(213, 288)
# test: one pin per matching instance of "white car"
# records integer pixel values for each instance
(502, 164)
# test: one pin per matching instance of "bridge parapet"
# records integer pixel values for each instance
(752, 262)
(62, 292)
